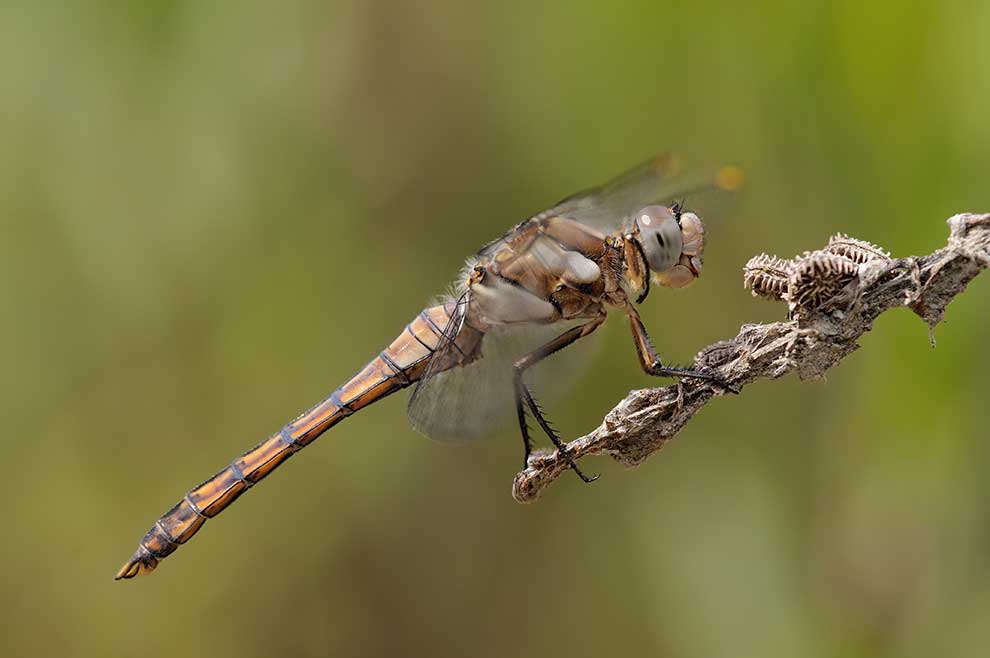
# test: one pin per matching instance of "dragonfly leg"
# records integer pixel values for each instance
(523, 391)
(523, 429)
(650, 360)
(524, 397)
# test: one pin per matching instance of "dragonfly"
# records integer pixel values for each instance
(546, 283)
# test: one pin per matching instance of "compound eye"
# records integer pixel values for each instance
(659, 236)
(692, 234)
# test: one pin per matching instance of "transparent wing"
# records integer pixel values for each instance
(657, 180)
(473, 401)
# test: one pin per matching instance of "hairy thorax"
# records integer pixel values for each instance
(545, 271)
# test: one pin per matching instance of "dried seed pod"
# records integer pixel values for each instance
(767, 276)
(817, 277)
(855, 250)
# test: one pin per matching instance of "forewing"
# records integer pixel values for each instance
(655, 181)
(476, 400)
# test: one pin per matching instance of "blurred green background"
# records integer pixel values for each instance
(215, 212)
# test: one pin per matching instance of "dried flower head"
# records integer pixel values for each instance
(767, 276)
(817, 277)
(855, 250)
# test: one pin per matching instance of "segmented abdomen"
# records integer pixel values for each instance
(399, 365)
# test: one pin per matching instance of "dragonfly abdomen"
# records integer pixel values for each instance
(397, 366)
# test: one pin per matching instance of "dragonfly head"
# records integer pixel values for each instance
(672, 242)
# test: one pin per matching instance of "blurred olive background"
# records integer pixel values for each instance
(214, 213)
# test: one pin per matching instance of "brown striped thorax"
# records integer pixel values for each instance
(546, 283)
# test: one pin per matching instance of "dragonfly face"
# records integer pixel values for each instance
(659, 235)
(672, 242)
(546, 283)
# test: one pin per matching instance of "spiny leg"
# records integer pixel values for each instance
(548, 429)
(523, 429)
(523, 394)
(650, 360)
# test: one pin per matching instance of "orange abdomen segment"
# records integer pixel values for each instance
(398, 366)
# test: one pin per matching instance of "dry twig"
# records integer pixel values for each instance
(834, 295)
